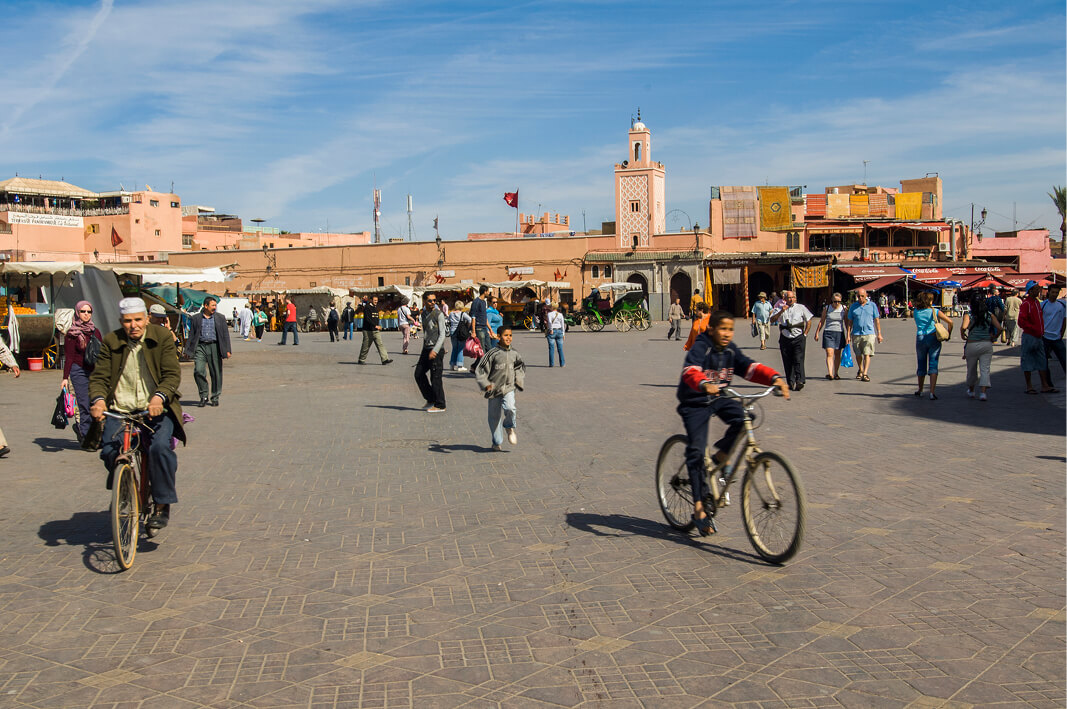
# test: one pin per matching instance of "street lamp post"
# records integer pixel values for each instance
(977, 226)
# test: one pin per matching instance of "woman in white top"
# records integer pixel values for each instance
(832, 326)
(403, 321)
(555, 333)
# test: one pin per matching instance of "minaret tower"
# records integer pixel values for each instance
(640, 191)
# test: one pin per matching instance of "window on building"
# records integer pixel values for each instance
(596, 271)
(407, 280)
(158, 232)
(136, 221)
(926, 238)
(314, 284)
(877, 238)
(175, 204)
(635, 206)
(187, 239)
(904, 238)
(834, 242)
(607, 271)
(637, 152)
(94, 228)
(634, 240)
(153, 202)
(381, 281)
(792, 240)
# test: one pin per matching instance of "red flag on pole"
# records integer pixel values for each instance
(115, 238)
(512, 198)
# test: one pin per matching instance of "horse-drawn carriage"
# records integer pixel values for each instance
(626, 312)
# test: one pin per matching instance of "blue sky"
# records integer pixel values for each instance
(293, 111)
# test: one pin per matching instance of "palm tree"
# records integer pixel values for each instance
(1059, 198)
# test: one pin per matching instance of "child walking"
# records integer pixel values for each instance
(500, 372)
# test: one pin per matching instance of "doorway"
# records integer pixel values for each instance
(639, 280)
(681, 286)
(759, 282)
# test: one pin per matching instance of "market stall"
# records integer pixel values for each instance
(390, 300)
(30, 322)
(513, 297)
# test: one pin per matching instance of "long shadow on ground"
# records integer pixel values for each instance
(628, 526)
(92, 531)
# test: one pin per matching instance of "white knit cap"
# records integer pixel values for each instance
(128, 306)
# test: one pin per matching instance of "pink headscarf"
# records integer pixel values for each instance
(81, 330)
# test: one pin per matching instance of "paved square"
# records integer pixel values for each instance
(337, 547)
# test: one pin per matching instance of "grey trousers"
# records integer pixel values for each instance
(206, 361)
(368, 337)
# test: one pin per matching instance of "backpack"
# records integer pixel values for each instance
(92, 351)
(463, 329)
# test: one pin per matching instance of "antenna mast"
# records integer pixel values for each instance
(377, 216)
(411, 223)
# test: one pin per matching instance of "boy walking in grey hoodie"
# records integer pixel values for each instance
(499, 373)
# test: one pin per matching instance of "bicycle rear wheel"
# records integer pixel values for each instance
(125, 515)
(673, 490)
(772, 507)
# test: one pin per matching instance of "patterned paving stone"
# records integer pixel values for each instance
(336, 547)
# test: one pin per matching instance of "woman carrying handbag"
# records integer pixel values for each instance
(980, 329)
(932, 327)
(80, 349)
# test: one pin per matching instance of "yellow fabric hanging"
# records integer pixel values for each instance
(858, 206)
(775, 211)
(910, 205)
(811, 276)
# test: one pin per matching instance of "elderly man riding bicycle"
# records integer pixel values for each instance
(138, 370)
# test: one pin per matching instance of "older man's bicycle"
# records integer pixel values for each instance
(131, 488)
(772, 498)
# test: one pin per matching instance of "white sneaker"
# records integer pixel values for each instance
(970, 393)
(461, 369)
(982, 397)
(512, 438)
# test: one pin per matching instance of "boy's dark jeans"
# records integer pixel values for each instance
(695, 419)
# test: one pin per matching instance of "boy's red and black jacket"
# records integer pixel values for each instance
(707, 362)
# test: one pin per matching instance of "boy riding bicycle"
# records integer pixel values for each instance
(709, 366)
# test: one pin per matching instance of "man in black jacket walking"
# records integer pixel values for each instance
(208, 345)
(348, 320)
(372, 331)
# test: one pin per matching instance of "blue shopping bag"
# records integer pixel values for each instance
(846, 357)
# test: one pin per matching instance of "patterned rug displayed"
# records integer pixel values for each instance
(879, 204)
(815, 205)
(775, 210)
(738, 212)
(811, 276)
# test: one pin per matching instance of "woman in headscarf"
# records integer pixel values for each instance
(75, 370)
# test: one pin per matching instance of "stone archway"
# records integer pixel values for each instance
(681, 286)
(639, 280)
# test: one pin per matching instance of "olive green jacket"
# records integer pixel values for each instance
(162, 358)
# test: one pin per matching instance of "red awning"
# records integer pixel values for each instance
(935, 226)
(880, 283)
(1018, 280)
(884, 281)
(869, 273)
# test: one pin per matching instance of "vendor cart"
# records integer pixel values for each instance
(32, 334)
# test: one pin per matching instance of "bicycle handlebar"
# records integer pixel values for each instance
(137, 416)
(734, 394)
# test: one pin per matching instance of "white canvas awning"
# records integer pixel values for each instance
(165, 273)
(517, 284)
(405, 292)
(42, 267)
(611, 287)
(561, 285)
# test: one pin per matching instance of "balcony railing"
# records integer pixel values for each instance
(95, 212)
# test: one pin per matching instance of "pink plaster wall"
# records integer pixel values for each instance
(1031, 246)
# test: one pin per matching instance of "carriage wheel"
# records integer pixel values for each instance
(622, 321)
(51, 356)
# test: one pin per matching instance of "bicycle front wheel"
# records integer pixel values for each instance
(125, 515)
(673, 490)
(772, 507)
